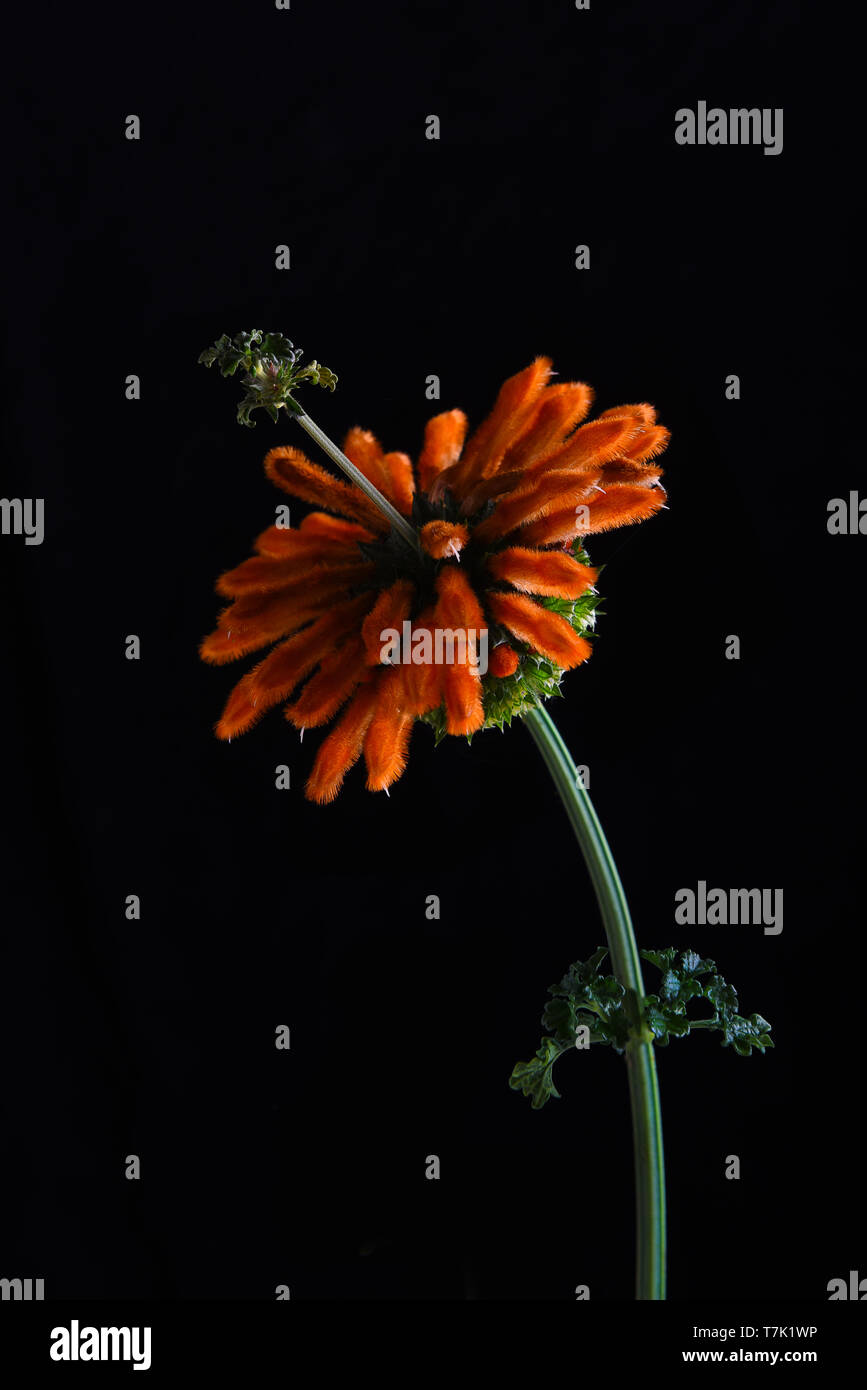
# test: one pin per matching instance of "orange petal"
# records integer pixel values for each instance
(512, 409)
(401, 483)
(280, 541)
(554, 529)
(291, 471)
(262, 573)
(462, 688)
(620, 506)
(644, 414)
(559, 409)
(338, 675)
(549, 572)
(459, 610)
(287, 613)
(458, 604)
(423, 683)
(387, 737)
(342, 748)
(544, 631)
(550, 493)
(390, 610)
(334, 528)
(504, 660)
(628, 471)
(491, 487)
(648, 444)
(590, 445)
(254, 620)
(443, 540)
(276, 677)
(390, 473)
(443, 441)
(364, 450)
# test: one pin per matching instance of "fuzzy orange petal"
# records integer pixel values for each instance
(443, 441)
(254, 620)
(364, 450)
(458, 609)
(444, 539)
(544, 631)
(342, 748)
(338, 675)
(648, 444)
(462, 688)
(559, 409)
(620, 506)
(401, 489)
(387, 737)
(550, 493)
(643, 413)
(590, 446)
(228, 642)
(390, 611)
(512, 410)
(457, 605)
(423, 683)
(629, 471)
(555, 529)
(276, 677)
(504, 661)
(551, 573)
(262, 573)
(489, 489)
(334, 528)
(281, 541)
(294, 473)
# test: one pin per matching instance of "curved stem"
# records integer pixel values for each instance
(626, 964)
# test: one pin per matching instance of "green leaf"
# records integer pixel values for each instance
(534, 1078)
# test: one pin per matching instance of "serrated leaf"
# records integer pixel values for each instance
(534, 1078)
(661, 959)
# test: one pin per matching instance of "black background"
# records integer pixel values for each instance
(412, 257)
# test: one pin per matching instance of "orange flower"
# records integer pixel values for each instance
(500, 563)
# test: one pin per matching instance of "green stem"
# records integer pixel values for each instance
(640, 1061)
(398, 522)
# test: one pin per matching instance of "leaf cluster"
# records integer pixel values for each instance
(586, 998)
(270, 366)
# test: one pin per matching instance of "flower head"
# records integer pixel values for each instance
(499, 573)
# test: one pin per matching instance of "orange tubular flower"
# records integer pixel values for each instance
(358, 617)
